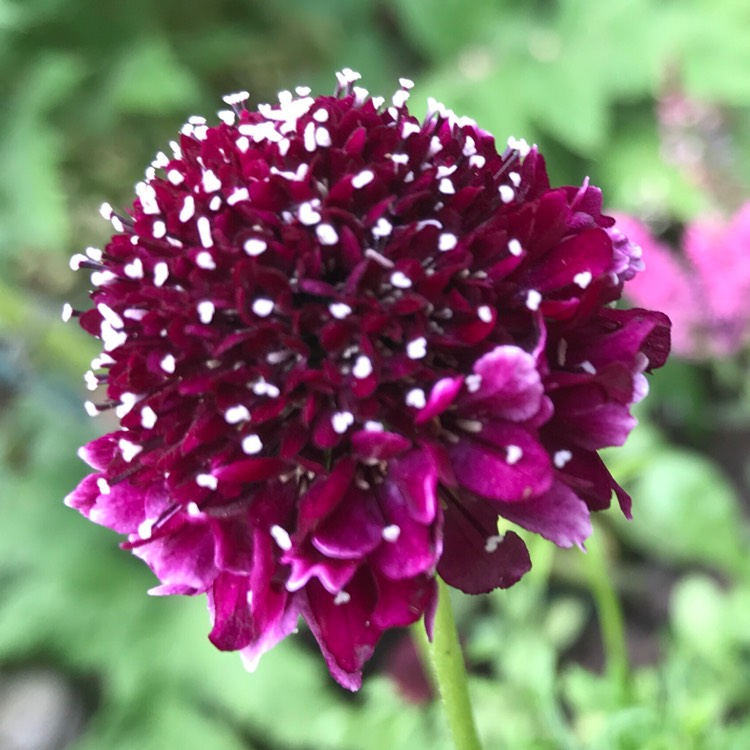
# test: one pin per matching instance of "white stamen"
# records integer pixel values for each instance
(400, 280)
(92, 382)
(252, 444)
(159, 229)
(103, 486)
(477, 160)
(148, 418)
(175, 177)
(320, 115)
(382, 228)
(583, 279)
(400, 158)
(562, 352)
(339, 310)
(365, 177)
(100, 278)
(206, 310)
(378, 258)
(188, 209)
(263, 307)
(322, 137)
(391, 533)
(193, 510)
(307, 214)
(492, 543)
(416, 398)
(362, 367)
(236, 98)
(514, 247)
(145, 527)
(341, 421)
(281, 537)
(515, 454)
(342, 598)
(327, 235)
(111, 338)
(586, 366)
(309, 137)
(485, 314)
(446, 187)
(561, 458)
(237, 414)
(506, 193)
(134, 269)
(168, 363)
(473, 382)
(204, 232)
(447, 241)
(417, 349)
(470, 425)
(207, 480)
(91, 408)
(533, 299)
(409, 128)
(372, 426)
(255, 246)
(215, 203)
(106, 211)
(515, 178)
(263, 388)
(127, 402)
(237, 195)
(67, 312)
(128, 450)
(161, 273)
(205, 260)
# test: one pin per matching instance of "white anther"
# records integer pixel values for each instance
(263, 307)
(400, 280)
(446, 186)
(322, 137)
(127, 402)
(417, 349)
(91, 408)
(204, 232)
(382, 228)
(339, 310)
(372, 426)
(145, 527)
(533, 299)
(586, 366)
(103, 486)
(255, 246)
(507, 194)
(307, 214)
(134, 269)
(561, 458)
(148, 418)
(492, 543)
(188, 209)
(469, 425)
(514, 247)
(175, 177)
(485, 314)
(168, 363)
(236, 98)
(237, 414)
(365, 177)
(326, 234)
(477, 160)
(281, 537)
(341, 421)
(473, 382)
(237, 195)
(583, 279)
(209, 481)
(206, 310)
(447, 241)
(161, 273)
(391, 533)
(416, 398)
(110, 315)
(342, 598)
(128, 450)
(515, 178)
(252, 444)
(159, 229)
(515, 454)
(362, 367)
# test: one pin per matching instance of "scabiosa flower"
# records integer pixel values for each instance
(705, 288)
(340, 343)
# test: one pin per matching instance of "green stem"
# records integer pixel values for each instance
(611, 620)
(446, 662)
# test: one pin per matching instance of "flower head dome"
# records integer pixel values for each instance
(340, 343)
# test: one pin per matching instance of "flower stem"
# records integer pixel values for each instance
(445, 657)
(611, 619)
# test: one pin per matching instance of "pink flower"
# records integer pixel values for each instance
(340, 343)
(705, 289)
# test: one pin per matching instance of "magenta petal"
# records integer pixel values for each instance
(184, 558)
(83, 497)
(353, 530)
(558, 515)
(234, 544)
(415, 474)
(476, 559)
(509, 384)
(230, 612)
(344, 631)
(502, 462)
(100, 452)
(324, 495)
(402, 602)
(375, 445)
(442, 395)
(308, 564)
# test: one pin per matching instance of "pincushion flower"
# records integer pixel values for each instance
(340, 343)
(705, 288)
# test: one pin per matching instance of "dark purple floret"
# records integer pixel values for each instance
(340, 343)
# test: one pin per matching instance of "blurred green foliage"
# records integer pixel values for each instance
(93, 90)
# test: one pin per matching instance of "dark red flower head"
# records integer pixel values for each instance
(340, 343)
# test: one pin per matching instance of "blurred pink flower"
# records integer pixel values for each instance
(704, 288)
